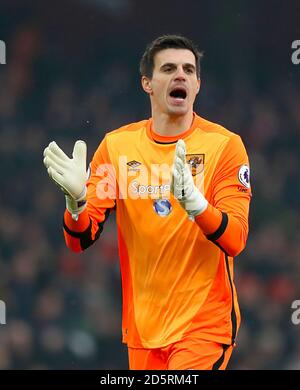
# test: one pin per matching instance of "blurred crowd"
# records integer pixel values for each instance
(63, 309)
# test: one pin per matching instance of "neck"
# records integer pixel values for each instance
(168, 125)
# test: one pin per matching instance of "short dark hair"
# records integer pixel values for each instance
(167, 42)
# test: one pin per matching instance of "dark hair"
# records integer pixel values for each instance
(167, 42)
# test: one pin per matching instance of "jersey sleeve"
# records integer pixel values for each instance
(101, 196)
(225, 221)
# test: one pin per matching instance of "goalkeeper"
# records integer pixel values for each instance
(178, 229)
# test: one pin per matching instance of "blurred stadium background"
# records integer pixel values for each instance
(72, 72)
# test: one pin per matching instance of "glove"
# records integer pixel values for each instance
(69, 173)
(182, 184)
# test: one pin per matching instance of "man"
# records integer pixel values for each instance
(179, 229)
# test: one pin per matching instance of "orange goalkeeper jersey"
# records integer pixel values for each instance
(177, 273)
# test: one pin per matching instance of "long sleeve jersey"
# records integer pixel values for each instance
(177, 273)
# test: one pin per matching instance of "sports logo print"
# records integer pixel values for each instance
(244, 175)
(162, 207)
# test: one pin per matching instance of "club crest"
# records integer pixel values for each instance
(195, 162)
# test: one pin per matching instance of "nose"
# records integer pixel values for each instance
(180, 74)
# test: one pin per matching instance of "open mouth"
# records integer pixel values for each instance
(178, 93)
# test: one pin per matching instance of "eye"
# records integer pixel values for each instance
(168, 68)
(189, 70)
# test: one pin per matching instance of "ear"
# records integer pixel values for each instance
(146, 84)
(199, 85)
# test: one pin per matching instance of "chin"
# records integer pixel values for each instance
(178, 110)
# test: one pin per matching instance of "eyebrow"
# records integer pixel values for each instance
(172, 64)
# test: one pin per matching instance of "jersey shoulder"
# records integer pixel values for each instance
(212, 127)
(128, 128)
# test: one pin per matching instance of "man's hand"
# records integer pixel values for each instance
(182, 184)
(69, 173)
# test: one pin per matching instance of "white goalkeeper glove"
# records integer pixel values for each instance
(182, 184)
(69, 173)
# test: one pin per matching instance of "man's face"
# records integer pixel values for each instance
(174, 84)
